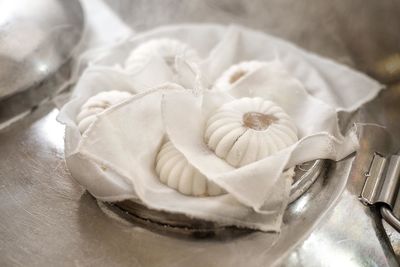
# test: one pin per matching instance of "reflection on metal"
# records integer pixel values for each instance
(390, 187)
(374, 180)
(388, 215)
(21, 104)
(388, 69)
(44, 210)
(179, 224)
(306, 174)
(36, 38)
(172, 224)
(382, 187)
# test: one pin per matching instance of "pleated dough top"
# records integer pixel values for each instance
(97, 104)
(176, 172)
(166, 48)
(249, 129)
(235, 73)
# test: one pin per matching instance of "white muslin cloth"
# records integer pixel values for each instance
(115, 158)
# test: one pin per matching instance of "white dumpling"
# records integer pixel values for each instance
(166, 48)
(249, 129)
(235, 73)
(176, 172)
(97, 104)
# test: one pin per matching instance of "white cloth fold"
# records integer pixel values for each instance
(252, 184)
(111, 145)
(115, 158)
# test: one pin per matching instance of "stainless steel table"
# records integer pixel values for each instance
(47, 219)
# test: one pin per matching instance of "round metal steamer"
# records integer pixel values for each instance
(182, 225)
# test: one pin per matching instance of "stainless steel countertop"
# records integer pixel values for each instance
(47, 219)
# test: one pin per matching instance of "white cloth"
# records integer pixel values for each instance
(114, 159)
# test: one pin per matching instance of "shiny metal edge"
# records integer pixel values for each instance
(302, 184)
(181, 225)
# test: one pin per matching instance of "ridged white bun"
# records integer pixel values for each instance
(235, 73)
(97, 104)
(168, 49)
(249, 129)
(176, 172)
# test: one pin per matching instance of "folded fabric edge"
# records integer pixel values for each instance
(220, 220)
(378, 86)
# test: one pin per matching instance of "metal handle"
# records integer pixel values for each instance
(390, 218)
(381, 188)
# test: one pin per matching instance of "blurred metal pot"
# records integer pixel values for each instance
(36, 38)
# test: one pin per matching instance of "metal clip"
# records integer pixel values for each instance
(382, 186)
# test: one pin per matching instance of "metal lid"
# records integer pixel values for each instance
(36, 38)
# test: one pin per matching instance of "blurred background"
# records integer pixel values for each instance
(37, 38)
(358, 33)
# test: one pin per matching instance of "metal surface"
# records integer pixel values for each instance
(42, 193)
(21, 104)
(177, 225)
(388, 215)
(46, 218)
(382, 181)
(305, 176)
(382, 186)
(390, 187)
(375, 177)
(36, 38)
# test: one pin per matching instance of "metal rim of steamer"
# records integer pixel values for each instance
(181, 225)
